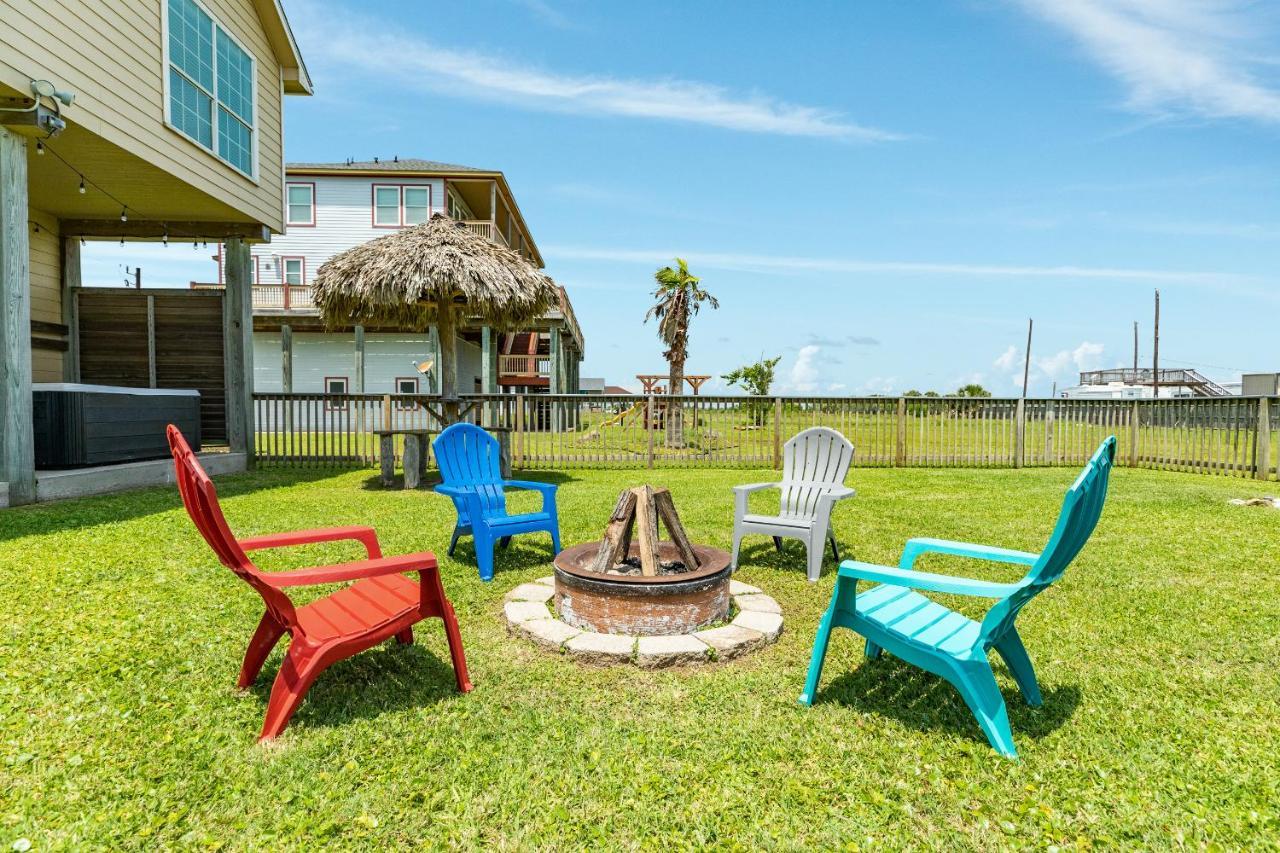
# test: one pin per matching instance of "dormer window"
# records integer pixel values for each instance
(210, 83)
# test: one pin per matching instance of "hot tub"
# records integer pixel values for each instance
(77, 426)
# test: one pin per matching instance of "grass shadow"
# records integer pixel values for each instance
(385, 679)
(922, 700)
(94, 510)
(373, 483)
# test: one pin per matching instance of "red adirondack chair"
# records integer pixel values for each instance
(381, 603)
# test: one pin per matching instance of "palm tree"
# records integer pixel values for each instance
(677, 298)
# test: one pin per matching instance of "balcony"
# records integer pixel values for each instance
(486, 229)
(524, 366)
(280, 297)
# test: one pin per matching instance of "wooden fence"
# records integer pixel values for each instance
(1234, 436)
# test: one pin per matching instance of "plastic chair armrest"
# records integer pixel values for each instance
(352, 571)
(926, 581)
(915, 547)
(367, 536)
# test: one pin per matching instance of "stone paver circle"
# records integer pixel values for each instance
(758, 623)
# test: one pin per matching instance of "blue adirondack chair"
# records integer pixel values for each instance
(471, 466)
(893, 616)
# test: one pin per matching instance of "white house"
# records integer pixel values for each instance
(331, 207)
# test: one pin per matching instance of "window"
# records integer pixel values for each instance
(301, 204)
(417, 205)
(395, 205)
(335, 385)
(406, 385)
(211, 89)
(386, 206)
(293, 270)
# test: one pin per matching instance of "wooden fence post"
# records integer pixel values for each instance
(1262, 447)
(777, 432)
(1135, 421)
(1020, 433)
(648, 425)
(900, 440)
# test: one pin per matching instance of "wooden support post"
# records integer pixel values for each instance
(17, 439)
(359, 359)
(151, 340)
(1262, 460)
(647, 531)
(71, 307)
(777, 433)
(556, 383)
(413, 461)
(518, 459)
(666, 508)
(433, 347)
(900, 440)
(237, 340)
(447, 367)
(286, 373)
(648, 424)
(1135, 424)
(387, 459)
(489, 372)
(1020, 433)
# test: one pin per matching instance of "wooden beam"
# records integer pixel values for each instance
(135, 229)
(671, 520)
(50, 344)
(71, 282)
(17, 439)
(151, 340)
(237, 338)
(647, 533)
(617, 534)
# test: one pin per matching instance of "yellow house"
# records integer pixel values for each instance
(131, 120)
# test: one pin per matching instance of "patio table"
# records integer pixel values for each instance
(417, 452)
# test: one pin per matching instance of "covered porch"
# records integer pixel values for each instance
(57, 192)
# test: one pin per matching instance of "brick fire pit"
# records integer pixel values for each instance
(644, 601)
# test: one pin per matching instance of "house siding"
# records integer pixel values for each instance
(343, 219)
(111, 54)
(387, 356)
(46, 292)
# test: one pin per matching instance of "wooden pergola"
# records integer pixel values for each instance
(650, 382)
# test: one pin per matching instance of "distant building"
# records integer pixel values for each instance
(332, 207)
(1139, 384)
(1260, 384)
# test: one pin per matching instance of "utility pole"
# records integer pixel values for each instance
(1026, 364)
(1155, 353)
(1135, 348)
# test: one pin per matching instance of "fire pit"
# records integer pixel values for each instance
(631, 583)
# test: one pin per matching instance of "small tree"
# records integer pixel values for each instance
(973, 389)
(677, 297)
(756, 379)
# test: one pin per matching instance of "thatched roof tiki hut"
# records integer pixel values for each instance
(433, 274)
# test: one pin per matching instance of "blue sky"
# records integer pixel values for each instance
(880, 192)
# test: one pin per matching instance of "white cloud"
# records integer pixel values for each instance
(1007, 360)
(349, 43)
(798, 264)
(879, 385)
(1087, 355)
(803, 376)
(1193, 57)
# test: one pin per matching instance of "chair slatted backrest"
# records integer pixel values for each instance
(201, 501)
(1081, 509)
(471, 458)
(815, 461)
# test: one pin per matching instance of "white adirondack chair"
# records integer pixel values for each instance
(814, 466)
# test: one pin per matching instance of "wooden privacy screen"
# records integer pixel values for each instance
(157, 339)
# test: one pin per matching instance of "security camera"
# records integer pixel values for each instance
(45, 89)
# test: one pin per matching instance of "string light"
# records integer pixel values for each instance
(39, 146)
(124, 214)
(82, 185)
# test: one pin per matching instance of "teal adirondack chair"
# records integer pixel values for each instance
(471, 464)
(893, 616)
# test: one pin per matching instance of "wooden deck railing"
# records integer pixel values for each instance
(1234, 436)
(486, 229)
(524, 365)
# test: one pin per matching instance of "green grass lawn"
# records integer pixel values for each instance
(1157, 654)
